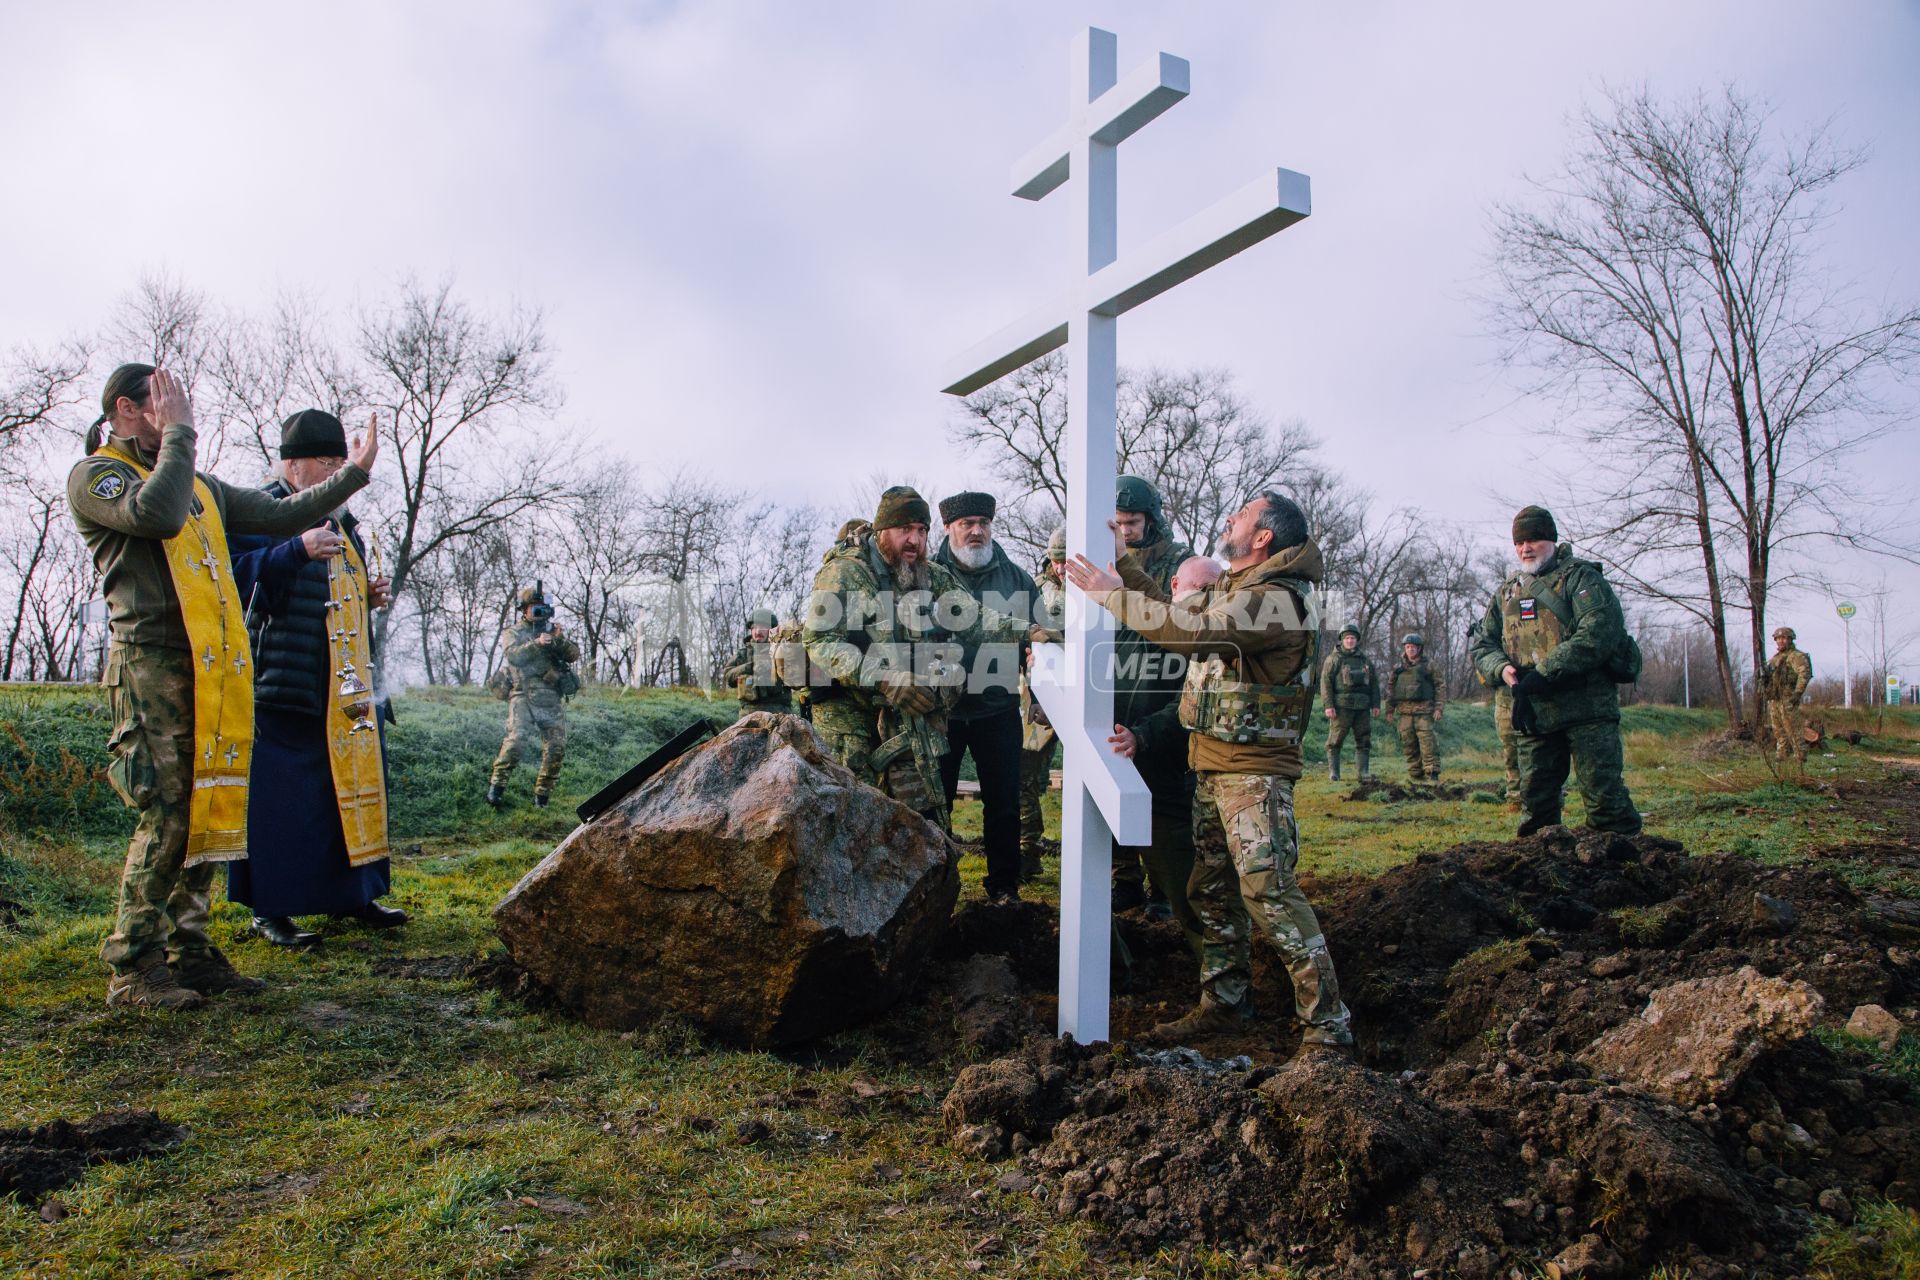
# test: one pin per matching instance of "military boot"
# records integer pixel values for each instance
(1333, 766)
(1208, 1018)
(1366, 773)
(209, 973)
(539, 799)
(1030, 866)
(151, 986)
(496, 794)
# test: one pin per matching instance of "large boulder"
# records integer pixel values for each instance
(1695, 1039)
(753, 887)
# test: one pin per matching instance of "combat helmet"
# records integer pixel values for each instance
(1414, 638)
(1784, 631)
(1131, 493)
(1350, 630)
(763, 618)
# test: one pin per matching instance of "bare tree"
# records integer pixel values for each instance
(35, 388)
(1188, 431)
(446, 384)
(262, 371)
(1667, 282)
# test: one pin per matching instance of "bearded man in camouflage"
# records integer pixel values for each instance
(890, 630)
(1555, 635)
(1789, 672)
(1351, 689)
(1249, 640)
(135, 500)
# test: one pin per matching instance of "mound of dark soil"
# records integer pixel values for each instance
(1470, 1139)
(55, 1155)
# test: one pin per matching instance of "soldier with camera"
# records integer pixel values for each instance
(535, 678)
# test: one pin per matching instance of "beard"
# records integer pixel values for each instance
(1537, 563)
(1230, 549)
(911, 576)
(975, 558)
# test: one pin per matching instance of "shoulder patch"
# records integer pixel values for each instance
(108, 485)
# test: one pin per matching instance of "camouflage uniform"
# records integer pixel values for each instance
(750, 673)
(1509, 740)
(1789, 672)
(1144, 695)
(534, 658)
(1350, 687)
(124, 519)
(1246, 846)
(851, 633)
(1416, 697)
(1577, 704)
(1037, 741)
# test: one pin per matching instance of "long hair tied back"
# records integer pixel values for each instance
(129, 380)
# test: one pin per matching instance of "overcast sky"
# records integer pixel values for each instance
(758, 231)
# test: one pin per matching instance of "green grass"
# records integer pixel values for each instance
(353, 1121)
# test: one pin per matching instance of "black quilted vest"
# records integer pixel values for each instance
(290, 665)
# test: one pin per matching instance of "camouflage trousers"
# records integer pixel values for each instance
(1416, 739)
(1593, 750)
(1509, 739)
(1245, 849)
(1355, 720)
(163, 903)
(1036, 775)
(528, 718)
(1789, 728)
(852, 733)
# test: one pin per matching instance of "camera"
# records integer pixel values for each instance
(540, 612)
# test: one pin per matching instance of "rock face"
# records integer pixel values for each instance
(753, 887)
(1696, 1038)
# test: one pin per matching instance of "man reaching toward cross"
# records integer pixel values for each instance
(1250, 637)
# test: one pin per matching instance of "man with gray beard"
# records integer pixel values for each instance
(987, 720)
(890, 631)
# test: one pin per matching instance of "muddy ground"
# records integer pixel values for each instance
(35, 1162)
(1469, 1139)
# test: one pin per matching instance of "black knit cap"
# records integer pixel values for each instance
(1535, 524)
(964, 505)
(313, 433)
(901, 506)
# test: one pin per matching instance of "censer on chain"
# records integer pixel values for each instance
(356, 699)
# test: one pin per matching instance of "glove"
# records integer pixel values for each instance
(1529, 685)
(902, 694)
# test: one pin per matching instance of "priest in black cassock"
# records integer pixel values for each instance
(316, 810)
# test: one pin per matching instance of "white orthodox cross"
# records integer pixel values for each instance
(1103, 798)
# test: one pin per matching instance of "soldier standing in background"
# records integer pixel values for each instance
(1555, 635)
(1789, 672)
(1416, 697)
(750, 671)
(538, 666)
(1350, 687)
(179, 674)
(1144, 683)
(1036, 739)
